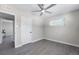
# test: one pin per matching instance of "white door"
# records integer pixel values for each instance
(26, 30)
(0, 30)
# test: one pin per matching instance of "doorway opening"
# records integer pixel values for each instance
(7, 30)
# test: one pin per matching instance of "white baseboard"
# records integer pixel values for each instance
(36, 40)
(17, 46)
(50, 40)
(23, 43)
(62, 42)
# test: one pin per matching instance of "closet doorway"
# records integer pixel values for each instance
(7, 30)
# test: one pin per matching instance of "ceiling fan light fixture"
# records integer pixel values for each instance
(43, 11)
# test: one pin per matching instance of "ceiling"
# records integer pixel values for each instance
(56, 10)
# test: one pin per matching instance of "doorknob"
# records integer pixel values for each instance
(30, 32)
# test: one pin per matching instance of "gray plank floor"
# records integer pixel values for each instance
(43, 47)
(7, 42)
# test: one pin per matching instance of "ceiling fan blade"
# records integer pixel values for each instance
(50, 6)
(36, 11)
(41, 6)
(48, 12)
(41, 14)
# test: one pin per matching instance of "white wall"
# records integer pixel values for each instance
(68, 34)
(37, 28)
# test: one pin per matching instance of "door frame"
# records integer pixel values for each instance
(11, 13)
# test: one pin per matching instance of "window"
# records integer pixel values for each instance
(57, 22)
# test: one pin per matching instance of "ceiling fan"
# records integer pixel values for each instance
(44, 10)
